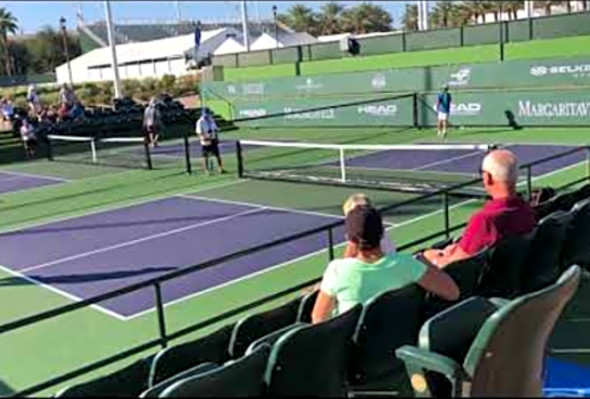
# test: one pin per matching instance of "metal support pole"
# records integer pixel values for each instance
(62, 23)
(245, 26)
(331, 244)
(240, 159)
(112, 45)
(274, 14)
(148, 155)
(160, 312)
(529, 182)
(446, 214)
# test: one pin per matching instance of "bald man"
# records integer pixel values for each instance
(505, 215)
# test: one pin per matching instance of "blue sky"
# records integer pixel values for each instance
(32, 15)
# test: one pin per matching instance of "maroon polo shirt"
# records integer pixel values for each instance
(499, 218)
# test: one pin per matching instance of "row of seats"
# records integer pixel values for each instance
(353, 352)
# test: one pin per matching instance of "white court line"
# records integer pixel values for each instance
(139, 240)
(114, 207)
(251, 204)
(453, 159)
(65, 294)
(23, 174)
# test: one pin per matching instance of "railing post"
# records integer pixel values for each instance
(529, 182)
(447, 222)
(160, 312)
(148, 155)
(187, 154)
(331, 244)
(240, 159)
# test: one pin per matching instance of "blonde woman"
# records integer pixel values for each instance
(360, 199)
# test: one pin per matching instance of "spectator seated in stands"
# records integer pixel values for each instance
(355, 280)
(6, 110)
(62, 113)
(360, 199)
(29, 138)
(505, 215)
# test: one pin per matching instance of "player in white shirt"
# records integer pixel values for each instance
(208, 135)
(152, 123)
(27, 134)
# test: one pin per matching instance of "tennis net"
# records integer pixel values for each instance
(413, 168)
(124, 152)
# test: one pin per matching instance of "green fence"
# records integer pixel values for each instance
(513, 31)
(552, 73)
(524, 108)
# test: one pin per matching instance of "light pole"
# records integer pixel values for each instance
(62, 25)
(274, 14)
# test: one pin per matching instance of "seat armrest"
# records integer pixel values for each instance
(271, 338)
(415, 357)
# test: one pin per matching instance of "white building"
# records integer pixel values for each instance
(268, 41)
(140, 60)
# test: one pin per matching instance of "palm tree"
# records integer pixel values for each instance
(8, 24)
(365, 18)
(441, 14)
(546, 5)
(301, 18)
(410, 18)
(512, 8)
(329, 18)
(461, 15)
(477, 8)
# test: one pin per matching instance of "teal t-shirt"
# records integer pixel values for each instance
(352, 281)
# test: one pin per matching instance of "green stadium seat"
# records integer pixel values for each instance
(252, 327)
(237, 378)
(312, 360)
(175, 359)
(505, 356)
(582, 193)
(577, 242)
(505, 265)
(466, 273)
(543, 264)
(130, 381)
(157, 389)
(306, 307)
(388, 321)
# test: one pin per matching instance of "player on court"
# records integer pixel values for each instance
(152, 122)
(443, 109)
(208, 135)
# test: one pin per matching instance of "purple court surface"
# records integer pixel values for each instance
(465, 161)
(97, 253)
(16, 181)
(94, 254)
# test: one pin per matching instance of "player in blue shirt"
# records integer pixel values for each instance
(443, 109)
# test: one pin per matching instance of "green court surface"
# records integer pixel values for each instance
(39, 352)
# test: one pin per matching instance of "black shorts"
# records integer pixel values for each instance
(211, 149)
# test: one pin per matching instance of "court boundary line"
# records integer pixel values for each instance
(113, 207)
(35, 176)
(139, 240)
(63, 294)
(254, 204)
(316, 253)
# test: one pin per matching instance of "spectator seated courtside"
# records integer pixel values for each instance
(354, 280)
(505, 215)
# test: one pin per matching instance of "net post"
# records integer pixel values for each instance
(331, 244)
(342, 165)
(187, 155)
(93, 150)
(529, 182)
(446, 214)
(160, 312)
(148, 156)
(240, 159)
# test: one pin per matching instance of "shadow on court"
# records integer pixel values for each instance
(84, 278)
